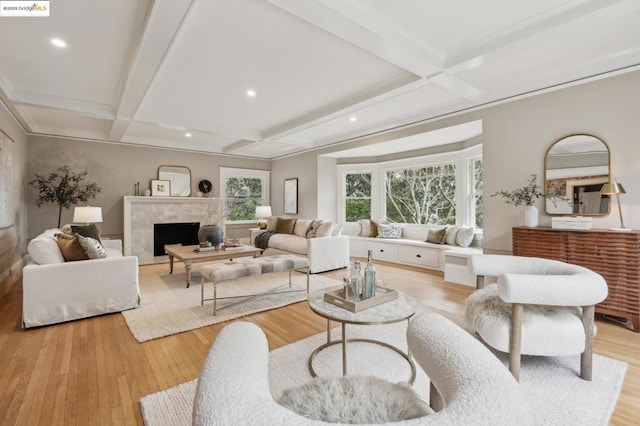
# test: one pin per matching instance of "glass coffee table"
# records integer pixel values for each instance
(396, 310)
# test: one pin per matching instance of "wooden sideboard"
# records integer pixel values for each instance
(613, 254)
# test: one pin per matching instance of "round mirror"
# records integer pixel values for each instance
(575, 169)
(180, 178)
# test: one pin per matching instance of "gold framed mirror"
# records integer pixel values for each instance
(575, 168)
(180, 178)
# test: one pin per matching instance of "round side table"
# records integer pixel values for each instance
(396, 310)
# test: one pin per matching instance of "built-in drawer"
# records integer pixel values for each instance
(419, 256)
(383, 251)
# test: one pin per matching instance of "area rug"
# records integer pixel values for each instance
(168, 307)
(552, 385)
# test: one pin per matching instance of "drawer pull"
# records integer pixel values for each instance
(381, 251)
(417, 255)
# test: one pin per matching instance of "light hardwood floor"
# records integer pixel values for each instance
(93, 372)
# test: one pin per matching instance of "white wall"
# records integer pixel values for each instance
(13, 239)
(515, 138)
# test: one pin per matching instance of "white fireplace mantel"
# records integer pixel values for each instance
(141, 213)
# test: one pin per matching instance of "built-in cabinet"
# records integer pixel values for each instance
(613, 254)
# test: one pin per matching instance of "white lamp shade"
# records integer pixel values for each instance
(87, 214)
(263, 211)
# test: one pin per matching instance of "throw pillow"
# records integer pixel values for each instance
(374, 227)
(67, 229)
(271, 223)
(364, 228)
(337, 229)
(87, 231)
(313, 228)
(44, 249)
(71, 248)
(325, 229)
(285, 226)
(436, 236)
(392, 230)
(92, 247)
(464, 236)
(355, 399)
(450, 236)
(300, 228)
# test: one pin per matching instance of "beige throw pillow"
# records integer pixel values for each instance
(300, 228)
(450, 236)
(325, 229)
(436, 236)
(271, 223)
(364, 228)
(313, 228)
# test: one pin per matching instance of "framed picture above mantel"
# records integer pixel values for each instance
(160, 188)
(291, 196)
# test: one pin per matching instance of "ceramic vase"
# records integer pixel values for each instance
(211, 233)
(530, 216)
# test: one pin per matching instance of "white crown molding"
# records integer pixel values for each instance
(85, 108)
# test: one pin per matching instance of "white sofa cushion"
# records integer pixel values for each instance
(288, 242)
(44, 249)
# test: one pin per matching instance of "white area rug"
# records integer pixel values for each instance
(168, 307)
(555, 390)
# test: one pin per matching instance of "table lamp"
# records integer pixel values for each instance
(615, 188)
(87, 215)
(263, 212)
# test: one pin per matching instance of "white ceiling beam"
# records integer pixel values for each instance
(348, 22)
(459, 87)
(373, 96)
(163, 24)
(521, 35)
(88, 109)
(118, 129)
(188, 123)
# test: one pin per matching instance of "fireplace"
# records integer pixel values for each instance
(174, 233)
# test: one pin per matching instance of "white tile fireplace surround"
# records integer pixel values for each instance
(141, 213)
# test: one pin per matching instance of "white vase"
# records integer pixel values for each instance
(530, 216)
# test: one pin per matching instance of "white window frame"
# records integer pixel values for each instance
(462, 159)
(472, 193)
(231, 172)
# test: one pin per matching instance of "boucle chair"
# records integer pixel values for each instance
(537, 307)
(474, 386)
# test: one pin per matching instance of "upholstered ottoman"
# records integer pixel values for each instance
(216, 273)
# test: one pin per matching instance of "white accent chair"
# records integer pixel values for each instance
(535, 307)
(475, 388)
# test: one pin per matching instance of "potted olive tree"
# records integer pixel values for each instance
(525, 196)
(64, 188)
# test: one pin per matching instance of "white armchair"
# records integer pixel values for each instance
(537, 307)
(473, 386)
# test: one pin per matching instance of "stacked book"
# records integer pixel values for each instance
(204, 249)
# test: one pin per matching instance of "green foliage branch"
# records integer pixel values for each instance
(64, 188)
(524, 196)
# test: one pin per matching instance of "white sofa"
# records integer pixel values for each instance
(233, 388)
(324, 253)
(55, 291)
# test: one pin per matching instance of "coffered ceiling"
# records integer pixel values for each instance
(323, 71)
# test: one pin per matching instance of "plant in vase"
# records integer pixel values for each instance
(525, 196)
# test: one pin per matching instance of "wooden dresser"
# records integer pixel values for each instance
(613, 254)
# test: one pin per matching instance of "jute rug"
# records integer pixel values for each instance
(555, 390)
(168, 307)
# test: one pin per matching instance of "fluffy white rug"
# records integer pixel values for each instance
(168, 307)
(558, 395)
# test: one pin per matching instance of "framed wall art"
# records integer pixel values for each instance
(160, 188)
(6, 180)
(291, 196)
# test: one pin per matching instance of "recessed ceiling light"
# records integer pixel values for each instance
(58, 43)
(353, 119)
(251, 93)
(188, 134)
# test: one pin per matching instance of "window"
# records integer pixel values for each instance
(438, 189)
(358, 196)
(477, 186)
(243, 190)
(422, 195)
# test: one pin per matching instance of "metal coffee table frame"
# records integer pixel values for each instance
(344, 340)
